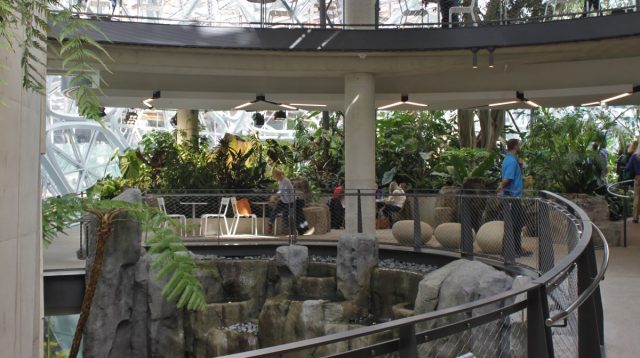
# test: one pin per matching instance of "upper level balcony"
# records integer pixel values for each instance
(388, 14)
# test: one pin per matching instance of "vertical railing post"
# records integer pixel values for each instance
(539, 338)
(417, 227)
(322, 6)
(466, 226)
(408, 346)
(359, 213)
(508, 241)
(625, 215)
(545, 238)
(589, 314)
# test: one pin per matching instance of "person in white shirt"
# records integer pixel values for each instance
(394, 202)
(283, 198)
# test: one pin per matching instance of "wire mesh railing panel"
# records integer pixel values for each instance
(504, 337)
(559, 297)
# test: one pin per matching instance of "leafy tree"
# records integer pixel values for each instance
(563, 154)
(409, 145)
(456, 165)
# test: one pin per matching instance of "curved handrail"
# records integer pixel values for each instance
(590, 290)
(559, 269)
(610, 186)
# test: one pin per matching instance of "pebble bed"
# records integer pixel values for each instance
(386, 263)
(244, 327)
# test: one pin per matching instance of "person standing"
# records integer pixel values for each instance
(632, 170)
(282, 200)
(512, 186)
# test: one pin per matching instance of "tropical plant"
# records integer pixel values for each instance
(171, 258)
(409, 145)
(456, 165)
(317, 153)
(564, 154)
(25, 24)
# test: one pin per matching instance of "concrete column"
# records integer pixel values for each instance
(360, 146)
(20, 236)
(360, 12)
(188, 126)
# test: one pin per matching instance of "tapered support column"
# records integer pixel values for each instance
(188, 126)
(360, 12)
(360, 146)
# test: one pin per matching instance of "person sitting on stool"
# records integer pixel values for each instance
(394, 202)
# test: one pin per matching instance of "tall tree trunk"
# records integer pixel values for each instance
(491, 127)
(466, 128)
(105, 222)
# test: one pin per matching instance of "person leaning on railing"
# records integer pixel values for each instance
(512, 186)
(284, 196)
(633, 172)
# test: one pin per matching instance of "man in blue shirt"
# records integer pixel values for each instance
(511, 186)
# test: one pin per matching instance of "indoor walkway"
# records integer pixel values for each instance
(620, 293)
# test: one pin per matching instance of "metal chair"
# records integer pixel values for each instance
(222, 214)
(181, 218)
(237, 216)
(471, 10)
(408, 12)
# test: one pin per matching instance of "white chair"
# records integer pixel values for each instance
(181, 218)
(222, 214)
(237, 216)
(471, 10)
(407, 12)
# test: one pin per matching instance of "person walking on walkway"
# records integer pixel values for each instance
(512, 186)
(633, 171)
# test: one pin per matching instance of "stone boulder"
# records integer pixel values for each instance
(449, 235)
(403, 232)
(119, 308)
(444, 214)
(457, 283)
(357, 256)
(490, 237)
(293, 259)
(385, 295)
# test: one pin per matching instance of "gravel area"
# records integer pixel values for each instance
(406, 266)
(244, 327)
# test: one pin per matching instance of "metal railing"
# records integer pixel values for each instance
(625, 186)
(540, 235)
(392, 19)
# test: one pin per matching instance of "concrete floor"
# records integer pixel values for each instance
(620, 293)
(620, 289)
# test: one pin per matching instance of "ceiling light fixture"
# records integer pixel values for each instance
(605, 101)
(519, 98)
(307, 105)
(475, 58)
(491, 49)
(261, 104)
(404, 103)
(280, 115)
(147, 102)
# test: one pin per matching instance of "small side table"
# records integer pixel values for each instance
(264, 205)
(193, 213)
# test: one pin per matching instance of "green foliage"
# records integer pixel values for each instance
(163, 164)
(409, 145)
(171, 259)
(57, 214)
(457, 164)
(82, 56)
(563, 154)
(317, 153)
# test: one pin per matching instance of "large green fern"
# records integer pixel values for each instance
(171, 260)
(25, 25)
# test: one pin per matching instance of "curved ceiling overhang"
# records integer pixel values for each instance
(528, 34)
